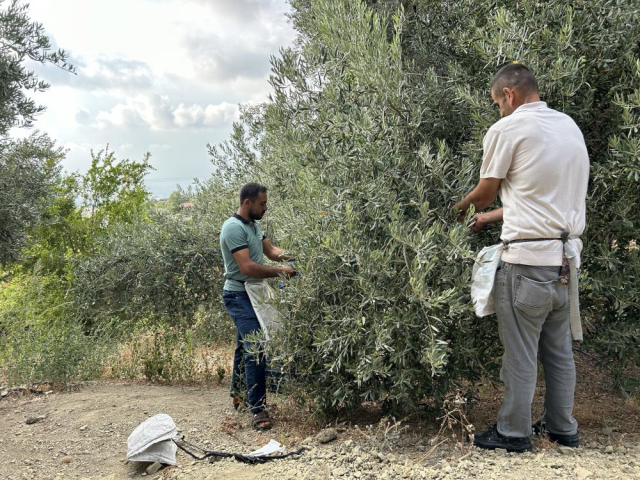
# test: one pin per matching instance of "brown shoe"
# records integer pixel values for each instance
(262, 421)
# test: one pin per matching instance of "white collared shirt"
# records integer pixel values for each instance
(541, 156)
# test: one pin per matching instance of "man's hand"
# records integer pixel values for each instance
(478, 222)
(481, 197)
(461, 209)
(481, 220)
(288, 271)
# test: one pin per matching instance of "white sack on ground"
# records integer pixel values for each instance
(151, 441)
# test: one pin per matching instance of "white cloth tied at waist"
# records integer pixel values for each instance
(483, 281)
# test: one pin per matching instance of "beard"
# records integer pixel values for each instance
(256, 216)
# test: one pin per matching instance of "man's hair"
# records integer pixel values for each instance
(516, 76)
(251, 191)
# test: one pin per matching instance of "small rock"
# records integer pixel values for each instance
(621, 449)
(567, 450)
(153, 468)
(83, 428)
(66, 459)
(338, 472)
(582, 473)
(32, 420)
(4, 393)
(609, 449)
(327, 435)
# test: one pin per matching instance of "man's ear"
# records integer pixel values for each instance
(510, 95)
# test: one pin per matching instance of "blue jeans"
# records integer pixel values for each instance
(245, 363)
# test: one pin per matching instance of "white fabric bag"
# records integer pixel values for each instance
(261, 294)
(572, 252)
(484, 274)
(151, 441)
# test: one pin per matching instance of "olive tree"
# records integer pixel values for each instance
(374, 130)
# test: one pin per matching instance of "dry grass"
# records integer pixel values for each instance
(202, 364)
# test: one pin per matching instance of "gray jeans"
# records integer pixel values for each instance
(533, 311)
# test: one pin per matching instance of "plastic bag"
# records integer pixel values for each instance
(484, 274)
(261, 294)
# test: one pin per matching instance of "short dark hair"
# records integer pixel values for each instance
(251, 191)
(516, 76)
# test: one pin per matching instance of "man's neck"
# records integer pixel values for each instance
(531, 98)
(244, 215)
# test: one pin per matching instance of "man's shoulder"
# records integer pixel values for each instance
(231, 224)
(501, 125)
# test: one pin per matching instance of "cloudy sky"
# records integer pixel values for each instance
(164, 76)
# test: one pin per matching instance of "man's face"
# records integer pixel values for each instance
(258, 207)
(502, 100)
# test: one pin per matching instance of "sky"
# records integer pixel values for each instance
(158, 76)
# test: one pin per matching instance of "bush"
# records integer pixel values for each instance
(40, 341)
(167, 267)
(373, 132)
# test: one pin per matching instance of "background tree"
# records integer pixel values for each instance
(28, 169)
(22, 40)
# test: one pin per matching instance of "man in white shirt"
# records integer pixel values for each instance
(535, 158)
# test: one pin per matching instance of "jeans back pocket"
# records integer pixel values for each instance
(532, 296)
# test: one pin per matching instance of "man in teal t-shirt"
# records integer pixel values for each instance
(244, 245)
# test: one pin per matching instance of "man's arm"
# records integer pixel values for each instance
(481, 197)
(481, 220)
(274, 253)
(255, 270)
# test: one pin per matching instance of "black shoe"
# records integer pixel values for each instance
(492, 439)
(565, 440)
(540, 428)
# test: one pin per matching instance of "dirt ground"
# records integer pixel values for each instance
(82, 434)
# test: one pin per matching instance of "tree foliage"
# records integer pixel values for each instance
(28, 169)
(20, 40)
(374, 130)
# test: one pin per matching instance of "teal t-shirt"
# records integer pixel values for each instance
(237, 234)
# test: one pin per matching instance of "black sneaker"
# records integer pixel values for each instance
(492, 439)
(565, 440)
(540, 428)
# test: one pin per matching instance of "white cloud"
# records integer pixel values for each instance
(184, 116)
(222, 114)
(158, 113)
(166, 73)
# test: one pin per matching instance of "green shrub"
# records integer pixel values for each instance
(39, 341)
(374, 130)
(166, 267)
